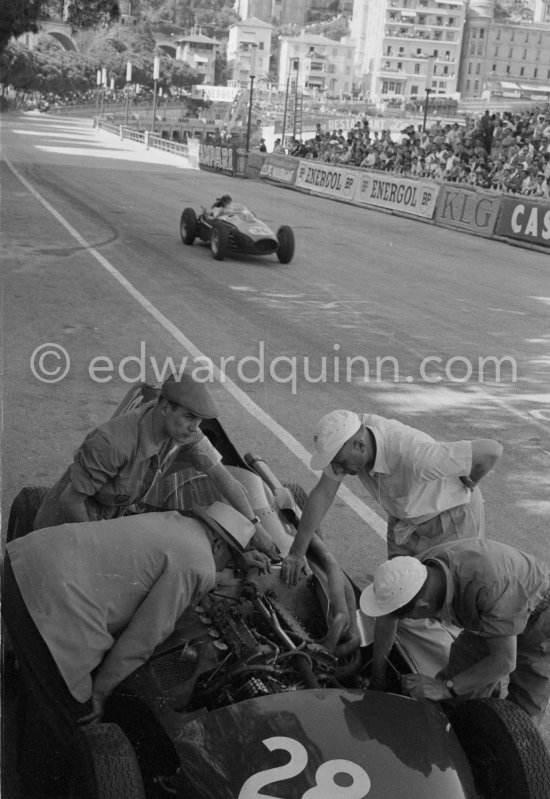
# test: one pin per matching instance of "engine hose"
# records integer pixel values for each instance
(304, 667)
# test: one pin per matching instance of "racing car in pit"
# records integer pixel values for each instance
(246, 699)
(238, 229)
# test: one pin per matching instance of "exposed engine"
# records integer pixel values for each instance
(246, 639)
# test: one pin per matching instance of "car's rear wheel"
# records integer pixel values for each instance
(285, 237)
(23, 511)
(188, 226)
(219, 241)
(106, 765)
(505, 750)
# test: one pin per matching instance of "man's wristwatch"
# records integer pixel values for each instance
(255, 520)
(450, 686)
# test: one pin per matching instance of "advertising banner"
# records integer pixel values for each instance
(279, 168)
(217, 158)
(468, 209)
(329, 179)
(218, 94)
(415, 197)
(525, 219)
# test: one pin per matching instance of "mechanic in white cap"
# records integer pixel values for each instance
(119, 461)
(428, 488)
(498, 596)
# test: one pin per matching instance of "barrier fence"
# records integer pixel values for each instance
(515, 217)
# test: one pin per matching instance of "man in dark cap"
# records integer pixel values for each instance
(119, 461)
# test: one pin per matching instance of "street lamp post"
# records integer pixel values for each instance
(128, 80)
(103, 84)
(428, 89)
(286, 110)
(297, 64)
(98, 85)
(252, 76)
(156, 75)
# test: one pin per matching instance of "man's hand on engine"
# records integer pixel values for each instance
(252, 559)
(262, 541)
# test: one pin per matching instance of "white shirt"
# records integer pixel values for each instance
(413, 477)
(110, 591)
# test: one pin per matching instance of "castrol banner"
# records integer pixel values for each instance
(525, 219)
(382, 190)
(329, 179)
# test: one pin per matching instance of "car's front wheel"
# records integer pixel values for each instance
(219, 241)
(285, 251)
(505, 750)
(188, 226)
(23, 511)
(106, 765)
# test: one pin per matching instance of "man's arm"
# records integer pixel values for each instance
(315, 510)
(500, 662)
(485, 454)
(385, 629)
(153, 621)
(73, 505)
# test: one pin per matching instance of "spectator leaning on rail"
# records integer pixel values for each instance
(86, 604)
(497, 595)
(120, 460)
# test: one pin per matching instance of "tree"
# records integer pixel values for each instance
(20, 16)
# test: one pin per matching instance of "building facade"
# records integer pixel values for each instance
(291, 11)
(503, 58)
(404, 47)
(316, 63)
(248, 50)
(200, 53)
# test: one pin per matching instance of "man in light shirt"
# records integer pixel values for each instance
(429, 489)
(86, 604)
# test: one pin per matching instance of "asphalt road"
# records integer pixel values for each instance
(94, 264)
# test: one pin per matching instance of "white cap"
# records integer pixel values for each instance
(396, 582)
(331, 433)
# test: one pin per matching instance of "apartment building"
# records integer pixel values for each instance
(316, 63)
(404, 47)
(291, 11)
(248, 50)
(503, 58)
(200, 53)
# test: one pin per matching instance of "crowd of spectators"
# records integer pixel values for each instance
(506, 152)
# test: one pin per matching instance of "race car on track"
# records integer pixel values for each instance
(245, 701)
(237, 230)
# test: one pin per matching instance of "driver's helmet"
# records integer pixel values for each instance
(223, 201)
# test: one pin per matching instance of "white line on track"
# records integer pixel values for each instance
(372, 519)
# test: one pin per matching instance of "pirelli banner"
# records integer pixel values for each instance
(524, 219)
(382, 190)
(279, 168)
(217, 158)
(468, 209)
(329, 179)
